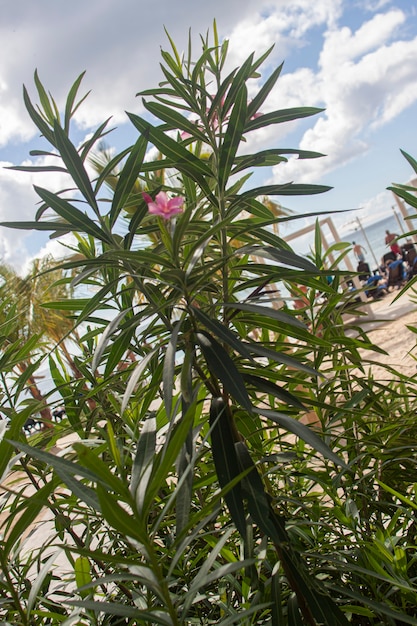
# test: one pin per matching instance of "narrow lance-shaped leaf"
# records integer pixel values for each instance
(36, 168)
(38, 119)
(128, 178)
(45, 100)
(410, 159)
(278, 117)
(287, 189)
(69, 105)
(267, 158)
(233, 136)
(74, 216)
(134, 378)
(55, 461)
(57, 227)
(240, 78)
(37, 585)
(226, 462)
(90, 142)
(223, 367)
(223, 333)
(175, 120)
(304, 432)
(286, 257)
(264, 91)
(258, 501)
(119, 518)
(143, 463)
(124, 610)
(286, 318)
(185, 472)
(75, 166)
(169, 368)
(181, 158)
(266, 386)
(105, 339)
(32, 508)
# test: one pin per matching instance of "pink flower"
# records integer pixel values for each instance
(162, 206)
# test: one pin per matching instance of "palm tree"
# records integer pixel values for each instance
(27, 295)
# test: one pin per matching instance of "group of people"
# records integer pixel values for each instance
(397, 266)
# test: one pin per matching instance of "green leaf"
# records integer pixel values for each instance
(80, 491)
(37, 584)
(37, 119)
(167, 457)
(175, 120)
(226, 462)
(268, 158)
(223, 333)
(58, 227)
(258, 500)
(302, 431)
(278, 117)
(286, 257)
(381, 609)
(48, 110)
(410, 198)
(128, 178)
(275, 314)
(74, 217)
(134, 378)
(410, 159)
(105, 338)
(89, 459)
(287, 189)
(75, 166)
(264, 91)
(169, 368)
(69, 105)
(124, 610)
(57, 462)
(120, 519)
(233, 136)
(222, 366)
(89, 143)
(143, 463)
(82, 572)
(36, 168)
(181, 158)
(266, 386)
(281, 357)
(242, 75)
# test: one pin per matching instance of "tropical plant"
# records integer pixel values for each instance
(198, 384)
(21, 298)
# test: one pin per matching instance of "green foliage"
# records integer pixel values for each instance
(190, 490)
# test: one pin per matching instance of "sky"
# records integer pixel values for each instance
(356, 59)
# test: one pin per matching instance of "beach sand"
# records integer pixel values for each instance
(393, 334)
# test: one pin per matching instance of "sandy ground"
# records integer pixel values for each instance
(390, 331)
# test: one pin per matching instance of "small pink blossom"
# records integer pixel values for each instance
(163, 206)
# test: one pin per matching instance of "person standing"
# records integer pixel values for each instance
(359, 252)
(391, 241)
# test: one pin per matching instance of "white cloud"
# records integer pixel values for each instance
(282, 24)
(19, 202)
(363, 82)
